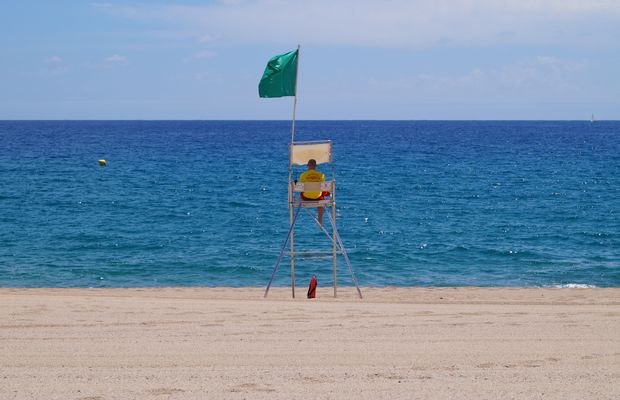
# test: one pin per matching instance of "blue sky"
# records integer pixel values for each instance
(459, 59)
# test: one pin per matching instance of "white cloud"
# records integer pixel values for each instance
(397, 23)
(541, 72)
(59, 70)
(207, 38)
(55, 66)
(543, 78)
(559, 65)
(116, 58)
(205, 54)
(200, 76)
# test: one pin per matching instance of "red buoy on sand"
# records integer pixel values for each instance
(312, 288)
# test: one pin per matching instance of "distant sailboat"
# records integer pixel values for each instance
(592, 118)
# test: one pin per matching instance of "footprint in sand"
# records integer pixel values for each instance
(163, 391)
(380, 375)
(251, 387)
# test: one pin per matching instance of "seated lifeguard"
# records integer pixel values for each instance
(312, 175)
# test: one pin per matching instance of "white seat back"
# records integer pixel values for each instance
(313, 187)
(301, 152)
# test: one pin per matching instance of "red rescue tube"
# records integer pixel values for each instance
(312, 288)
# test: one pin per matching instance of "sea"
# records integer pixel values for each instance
(204, 203)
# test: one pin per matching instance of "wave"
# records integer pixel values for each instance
(573, 286)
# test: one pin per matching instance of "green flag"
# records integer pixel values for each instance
(280, 76)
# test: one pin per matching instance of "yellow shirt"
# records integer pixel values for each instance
(312, 176)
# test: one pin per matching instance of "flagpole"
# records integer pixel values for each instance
(295, 98)
(290, 177)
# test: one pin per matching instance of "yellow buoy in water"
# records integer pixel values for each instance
(102, 163)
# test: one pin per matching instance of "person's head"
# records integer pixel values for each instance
(312, 163)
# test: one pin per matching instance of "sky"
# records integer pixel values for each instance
(359, 59)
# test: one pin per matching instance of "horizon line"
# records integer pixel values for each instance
(300, 120)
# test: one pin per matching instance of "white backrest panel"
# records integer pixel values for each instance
(302, 152)
(313, 186)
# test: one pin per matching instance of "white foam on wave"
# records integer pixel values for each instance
(574, 286)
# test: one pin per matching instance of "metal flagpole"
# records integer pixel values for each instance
(291, 219)
(295, 97)
(290, 178)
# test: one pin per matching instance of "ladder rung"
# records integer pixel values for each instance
(314, 252)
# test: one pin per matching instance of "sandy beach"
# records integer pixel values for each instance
(212, 343)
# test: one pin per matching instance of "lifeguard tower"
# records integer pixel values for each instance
(299, 154)
(280, 80)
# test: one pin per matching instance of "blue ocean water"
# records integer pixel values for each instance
(203, 203)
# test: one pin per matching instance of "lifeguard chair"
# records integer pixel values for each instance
(299, 154)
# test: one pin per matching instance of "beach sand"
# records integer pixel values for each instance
(214, 343)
